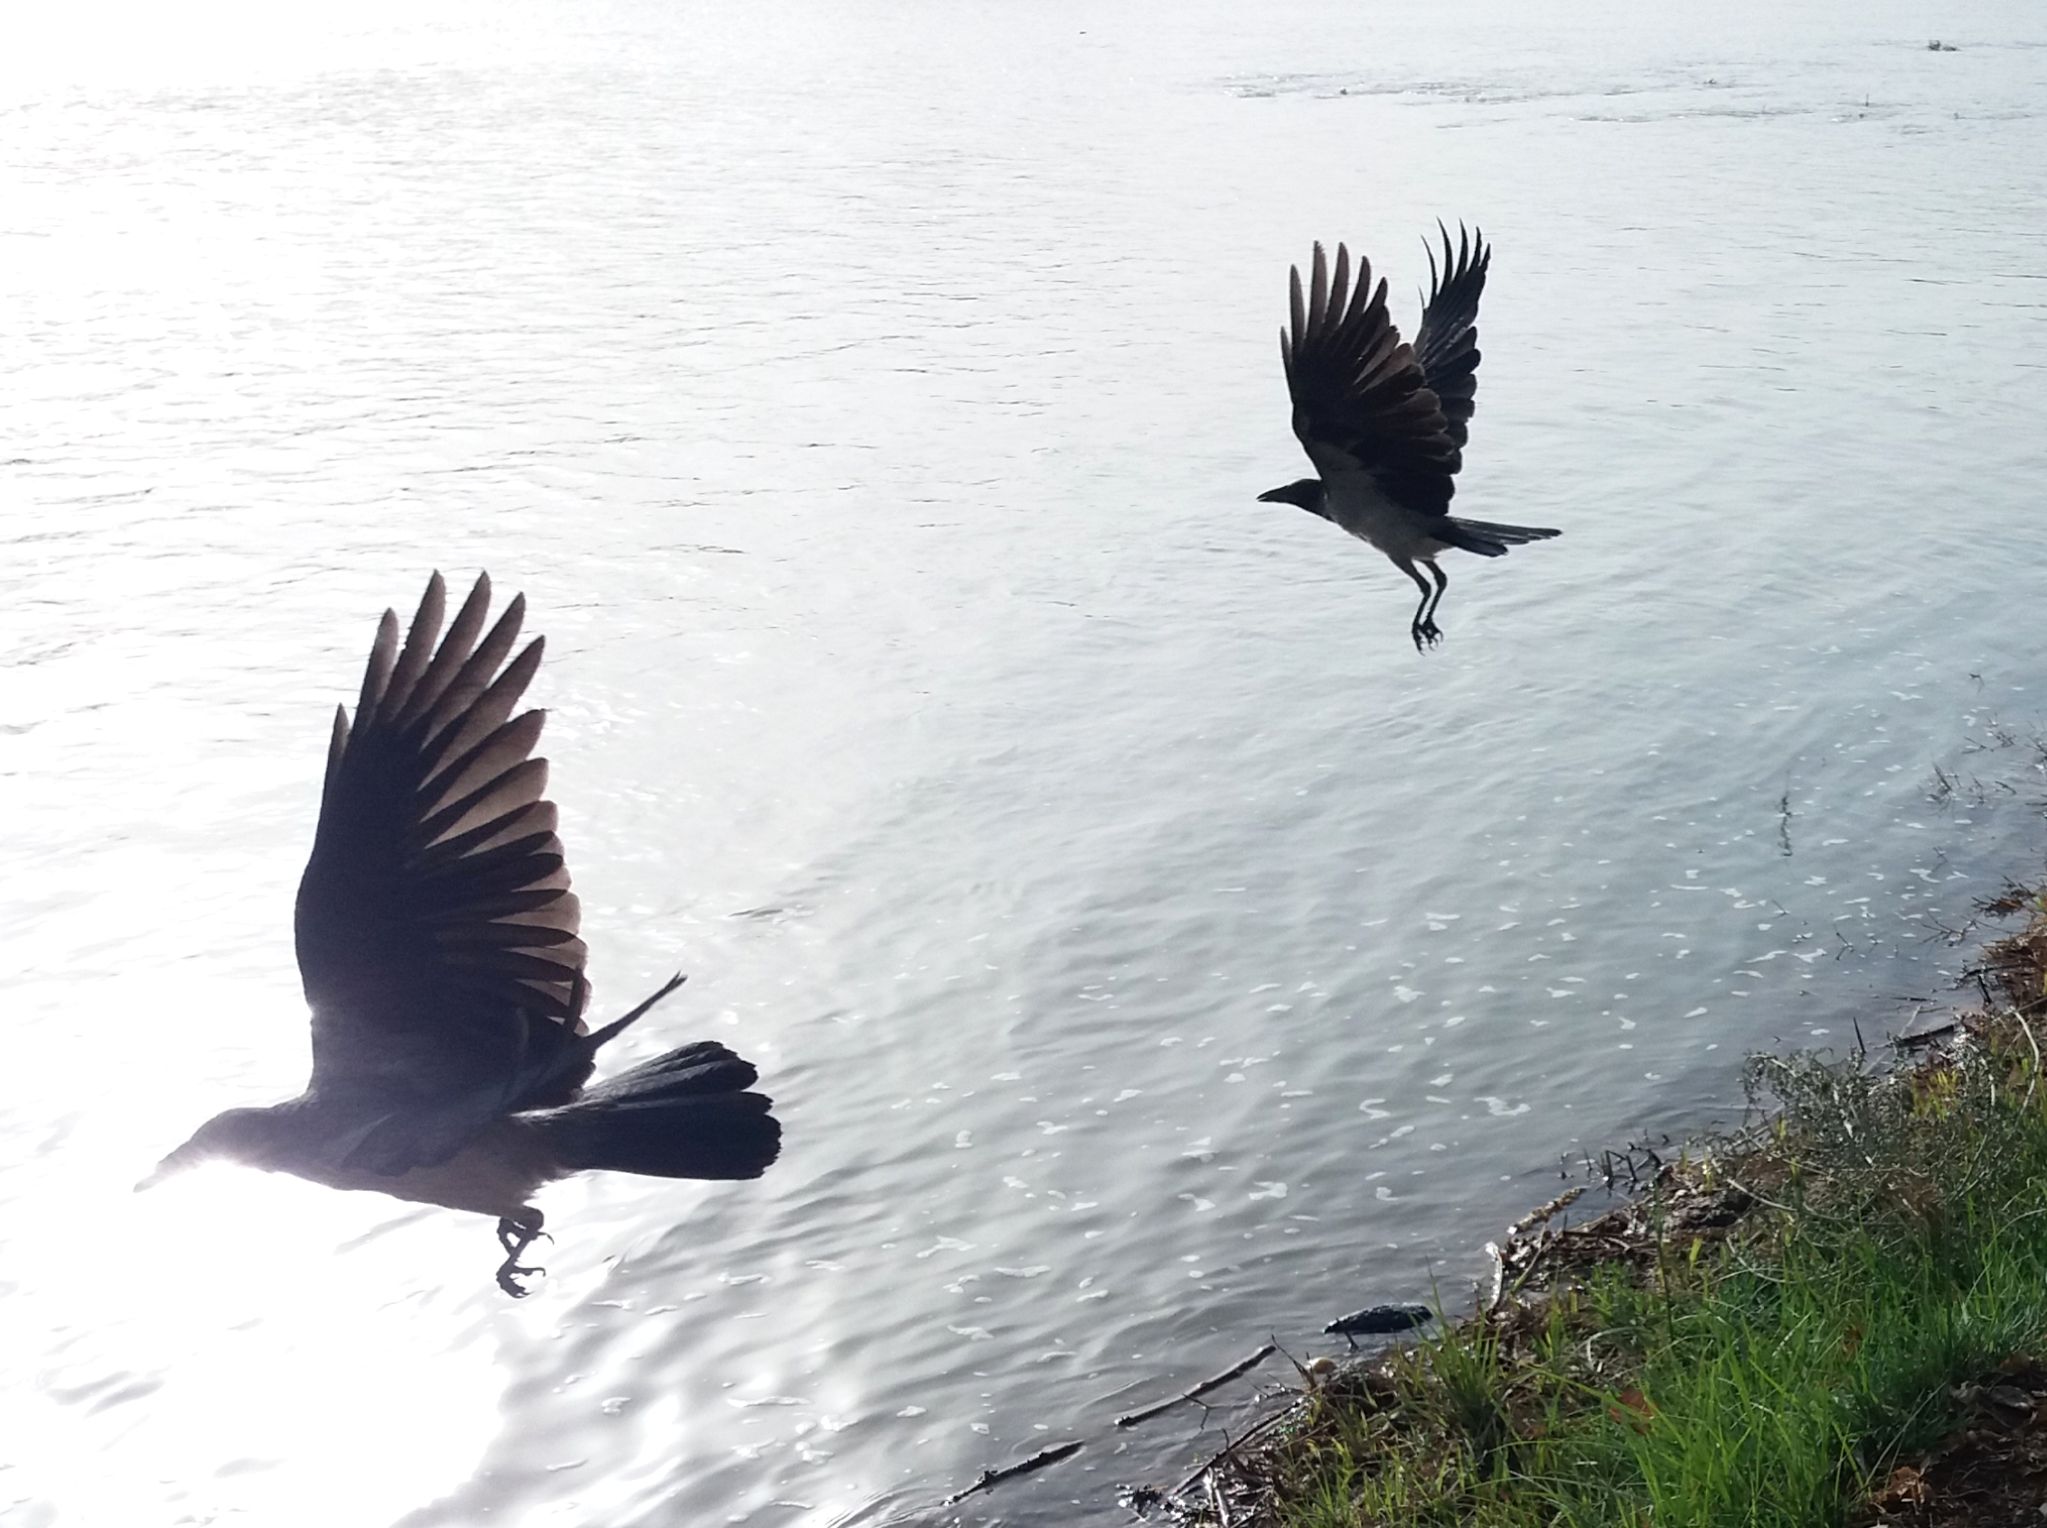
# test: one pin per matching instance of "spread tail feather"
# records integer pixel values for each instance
(681, 1115)
(1490, 539)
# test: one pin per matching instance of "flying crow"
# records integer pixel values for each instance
(437, 941)
(1385, 422)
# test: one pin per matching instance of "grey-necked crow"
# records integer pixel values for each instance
(437, 942)
(1385, 422)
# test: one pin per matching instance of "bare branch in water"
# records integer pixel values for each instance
(1243, 1366)
(989, 1479)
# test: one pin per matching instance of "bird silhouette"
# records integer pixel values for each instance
(1385, 422)
(438, 946)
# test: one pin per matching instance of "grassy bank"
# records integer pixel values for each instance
(1837, 1318)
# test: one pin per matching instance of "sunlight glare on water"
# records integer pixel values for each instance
(1147, 950)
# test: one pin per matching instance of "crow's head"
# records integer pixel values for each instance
(1306, 492)
(238, 1135)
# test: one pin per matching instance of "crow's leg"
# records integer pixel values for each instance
(1422, 629)
(1429, 627)
(515, 1236)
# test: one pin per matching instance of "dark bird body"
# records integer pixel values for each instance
(1385, 422)
(438, 945)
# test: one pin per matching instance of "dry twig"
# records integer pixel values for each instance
(1243, 1366)
(988, 1479)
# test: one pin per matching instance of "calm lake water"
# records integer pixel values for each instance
(1148, 951)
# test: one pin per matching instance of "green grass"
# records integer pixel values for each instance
(1762, 1379)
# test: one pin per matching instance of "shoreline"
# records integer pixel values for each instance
(1642, 1366)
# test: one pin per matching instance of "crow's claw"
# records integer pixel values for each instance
(515, 1237)
(508, 1280)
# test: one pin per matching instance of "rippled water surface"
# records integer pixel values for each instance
(1148, 951)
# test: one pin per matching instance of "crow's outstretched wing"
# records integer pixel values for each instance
(1446, 344)
(1360, 402)
(437, 936)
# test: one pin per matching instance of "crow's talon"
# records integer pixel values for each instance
(508, 1280)
(515, 1236)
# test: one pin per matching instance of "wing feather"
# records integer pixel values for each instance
(419, 641)
(538, 817)
(508, 745)
(505, 792)
(512, 907)
(449, 657)
(1446, 343)
(474, 677)
(383, 656)
(489, 708)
